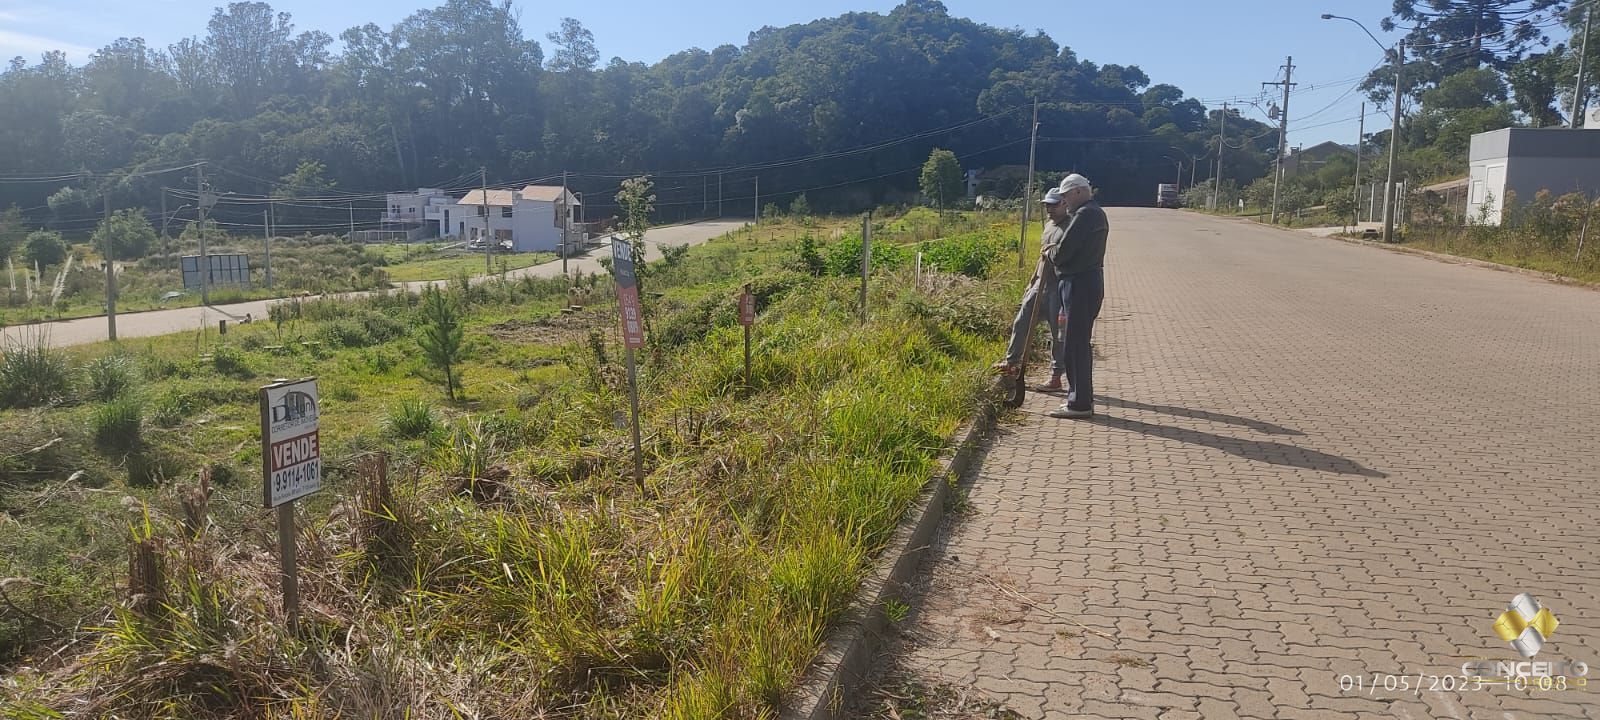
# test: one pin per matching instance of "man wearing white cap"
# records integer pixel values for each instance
(1079, 261)
(1042, 290)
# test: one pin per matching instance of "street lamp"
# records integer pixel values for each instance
(1179, 163)
(1394, 132)
(1193, 162)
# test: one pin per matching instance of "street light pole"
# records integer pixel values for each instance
(1578, 90)
(1389, 199)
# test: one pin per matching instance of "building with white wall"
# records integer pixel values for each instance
(530, 219)
(1526, 160)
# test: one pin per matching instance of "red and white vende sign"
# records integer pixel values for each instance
(291, 449)
(747, 308)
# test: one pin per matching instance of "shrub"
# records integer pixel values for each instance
(411, 419)
(34, 375)
(116, 425)
(230, 361)
(843, 258)
(110, 377)
(970, 254)
(169, 410)
(360, 330)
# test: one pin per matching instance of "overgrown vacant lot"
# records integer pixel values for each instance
(300, 265)
(512, 568)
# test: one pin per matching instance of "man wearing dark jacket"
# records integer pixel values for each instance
(1080, 265)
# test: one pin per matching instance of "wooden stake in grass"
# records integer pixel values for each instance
(866, 260)
(747, 318)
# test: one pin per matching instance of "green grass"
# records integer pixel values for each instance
(452, 264)
(514, 564)
(1534, 251)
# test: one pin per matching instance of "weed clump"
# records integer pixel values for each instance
(34, 375)
(116, 425)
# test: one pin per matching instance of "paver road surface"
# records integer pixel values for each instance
(1313, 462)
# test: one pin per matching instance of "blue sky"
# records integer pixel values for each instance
(1215, 51)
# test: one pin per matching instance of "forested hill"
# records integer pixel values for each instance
(844, 108)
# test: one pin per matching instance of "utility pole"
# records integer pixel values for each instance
(1394, 145)
(163, 213)
(1283, 131)
(1222, 140)
(1027, 192)
(719, 196)
(1579, 101)
(352, 221)
(758, 199)
(483, 208)
(111, 278)
(205, 261)
(1361, 138)
(566, 222)
(266, 241)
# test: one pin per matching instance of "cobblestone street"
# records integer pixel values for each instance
(1311, 460)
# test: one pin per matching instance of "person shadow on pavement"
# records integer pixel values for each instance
(1259, 426)
(1267, 451)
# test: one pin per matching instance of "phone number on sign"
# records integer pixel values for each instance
(1383, 682)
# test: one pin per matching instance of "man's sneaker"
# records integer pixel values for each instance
(1067, 412)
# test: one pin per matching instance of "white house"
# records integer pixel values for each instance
(530, 218)
(1527, 160)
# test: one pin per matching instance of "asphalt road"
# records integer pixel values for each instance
(82, 331)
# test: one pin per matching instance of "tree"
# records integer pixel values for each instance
(441, 335)
(1341, 203)
(45, 248)
(130, 234)
(1535, 83)
(307, 180)
(637, 202)
(13, 231)
(799, 207)
(1455, 35)
(575, 48)
(942, 181)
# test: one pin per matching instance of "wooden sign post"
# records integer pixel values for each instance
(747, 318)
(632, 335)
(866, 260)
(291, 468)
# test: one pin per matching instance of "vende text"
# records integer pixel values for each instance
(294, 451)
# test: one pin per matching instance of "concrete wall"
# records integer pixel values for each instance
(536, 230)
(1560, 175)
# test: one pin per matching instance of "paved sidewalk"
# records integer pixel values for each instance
(1313, 459)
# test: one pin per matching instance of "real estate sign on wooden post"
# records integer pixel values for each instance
(747, 318)
(291, 468)
(627, 280)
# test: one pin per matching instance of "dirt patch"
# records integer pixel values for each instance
(552, 330)
(902, 697)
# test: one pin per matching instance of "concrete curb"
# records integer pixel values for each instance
(845, 660)
(1474, 262)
